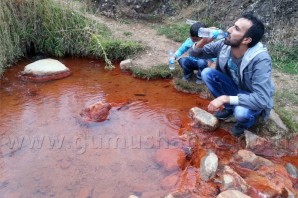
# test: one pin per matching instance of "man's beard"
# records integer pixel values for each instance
(234, 43)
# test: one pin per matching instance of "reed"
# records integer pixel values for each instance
(30, 26)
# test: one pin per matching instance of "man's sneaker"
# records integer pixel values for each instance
(199, 81)
(224, 114)
(187, 77)
(237, 130)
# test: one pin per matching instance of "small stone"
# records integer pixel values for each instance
(208, 166)
(169, 196)
(248, 158)
(203, 119)
(276, 119)
(292, 170)
(232, 194)
(262, 146)
(126, 64)
(231, 180)
(132, 196)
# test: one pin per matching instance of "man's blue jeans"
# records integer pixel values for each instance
(220, 84)
(189, 64)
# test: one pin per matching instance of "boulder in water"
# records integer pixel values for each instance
(96, 112)
(45, 70)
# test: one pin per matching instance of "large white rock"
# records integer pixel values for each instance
(45, 67)
(203, 119)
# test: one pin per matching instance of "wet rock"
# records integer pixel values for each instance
(276, 119)
(249, 160)
(181, 194)
(231, 180)
(232, 194)
(169, 196)
(170, 181)
(202, 119)
(86, 192)
(126, 64)
(263, 183)
(44, 70)
(170, 159)
(292, 170)
(207, 189)
(261, 175)
(208, 166)
(263, 146)
(96, 112)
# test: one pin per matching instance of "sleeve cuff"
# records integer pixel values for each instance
(234, 100)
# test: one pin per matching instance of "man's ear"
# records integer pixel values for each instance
(246, 40)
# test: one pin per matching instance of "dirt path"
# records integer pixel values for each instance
(157, 46)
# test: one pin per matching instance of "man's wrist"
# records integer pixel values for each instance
(225, 99)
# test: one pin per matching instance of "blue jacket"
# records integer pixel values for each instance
(255, 74)
(184, 48)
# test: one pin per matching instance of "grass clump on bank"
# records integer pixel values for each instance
(156, 72)
(285, 101)
(31, 26)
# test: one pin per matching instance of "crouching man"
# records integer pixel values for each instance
(241, 82)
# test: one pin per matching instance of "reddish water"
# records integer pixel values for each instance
(47, 151)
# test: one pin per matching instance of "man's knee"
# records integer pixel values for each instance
(207, 73)
(202, 63)
(182, 61)
(241, 113)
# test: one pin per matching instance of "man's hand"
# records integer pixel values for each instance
(203, 42)
(215, 104)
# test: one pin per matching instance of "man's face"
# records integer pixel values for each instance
(237, 32)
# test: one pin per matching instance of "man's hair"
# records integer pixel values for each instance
(256, 31)
(195, 28)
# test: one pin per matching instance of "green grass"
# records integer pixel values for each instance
(187, 86)
(179, 31)
(285, 58)
(127, 33)
(284, 101)
(156, 72)
(57, 31)
(176, 31)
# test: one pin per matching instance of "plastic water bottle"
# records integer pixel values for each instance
(171, 60)
(212, 33)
